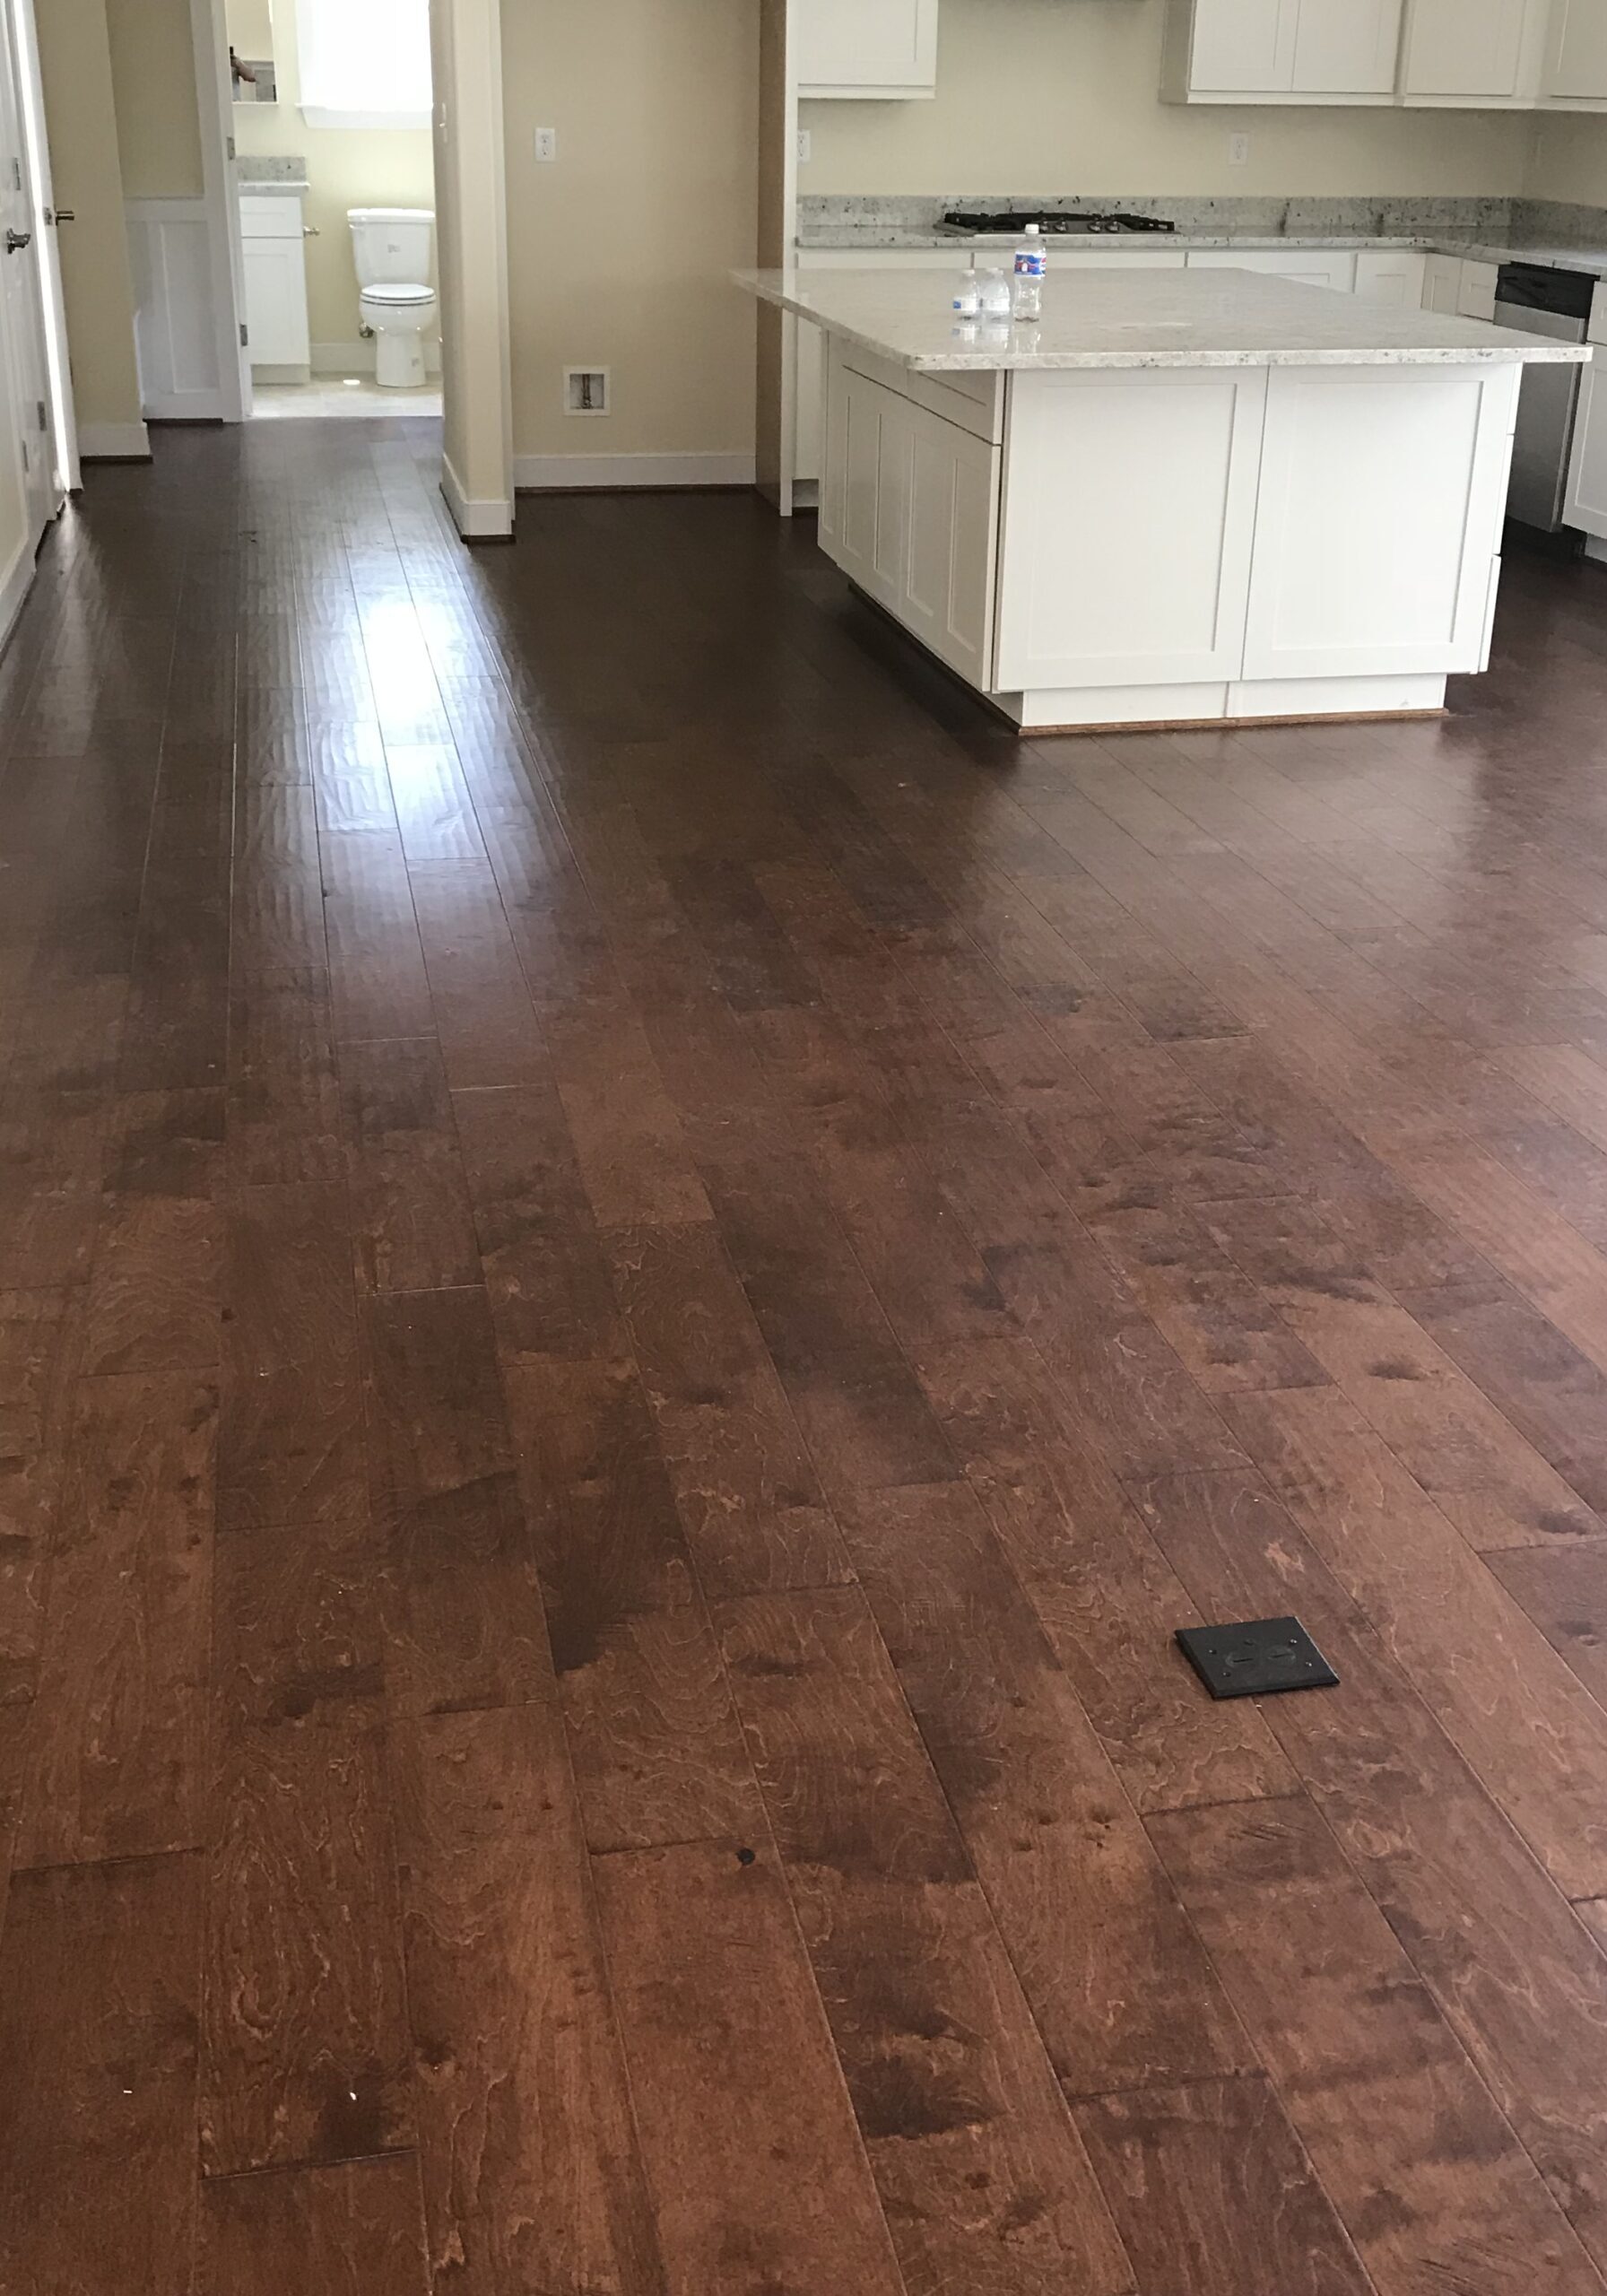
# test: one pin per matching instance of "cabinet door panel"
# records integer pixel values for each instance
(1578, 65)
(1128, 515)
(1244, 46)
(951, 543)
(1382, 494)
(1392, 278)
(1347, 47)
(1334, 267)
(866, 47)
(1471, 48)
(276, 302)
(1587, 506)
(1442, 284)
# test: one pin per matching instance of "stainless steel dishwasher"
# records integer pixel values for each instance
(1542, 301)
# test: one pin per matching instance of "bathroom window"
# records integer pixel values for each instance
(364, 63)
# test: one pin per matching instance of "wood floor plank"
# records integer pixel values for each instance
(532, 2175)
(746, 1487)
(1108, 1599)
(154, 1302)
(1210, 2181)
(39, 1356)
(541, 1257)
(984, 2184)
(297, 1620)
(413, 1227)
(1509, 1967)
(1377, 2086)
(483, 1014)
(305, 2054)
(754, 2162)
(466, 1626)
(657, 1750)
(1564, 1591)
(118, 1769)
(855, 1398)
(356, 2230)
(1496, 1488)
(1042, 1815)
(1506, 1700)
(284, 1119)
(99, 2011)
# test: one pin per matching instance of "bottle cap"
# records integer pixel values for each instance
(1035, 230)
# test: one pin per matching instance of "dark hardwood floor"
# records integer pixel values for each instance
(642, 1266)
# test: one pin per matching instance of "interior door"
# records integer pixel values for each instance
(31, 88)
(21, 298)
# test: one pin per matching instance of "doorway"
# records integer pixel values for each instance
(330, 105)
(38, 404)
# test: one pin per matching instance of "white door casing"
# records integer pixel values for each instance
(22, 300)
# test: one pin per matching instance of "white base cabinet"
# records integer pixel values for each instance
(1099, 547)
(273, 244)
(1585, 506)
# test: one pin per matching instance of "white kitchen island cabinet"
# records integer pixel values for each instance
(1183, 496)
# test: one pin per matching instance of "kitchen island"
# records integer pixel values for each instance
(1180, 497)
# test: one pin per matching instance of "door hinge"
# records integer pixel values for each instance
(44, 419)
(244, 335)
(228, 146)
(27, 457)
(16, 175)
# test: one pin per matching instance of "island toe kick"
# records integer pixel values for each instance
(1180, 544)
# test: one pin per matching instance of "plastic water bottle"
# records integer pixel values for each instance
(967, 295)
(1027, 286)
(994, 290)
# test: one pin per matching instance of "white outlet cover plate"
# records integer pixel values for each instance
(546, 143)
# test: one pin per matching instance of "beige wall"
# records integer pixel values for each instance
(618, 254)
(1570, 160)
(369, 167)
(81, 119)
(154, 73)
(1056, 96)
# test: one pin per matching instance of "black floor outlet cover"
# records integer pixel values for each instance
(1254, 1659)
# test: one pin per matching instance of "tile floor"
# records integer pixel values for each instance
(329, 394)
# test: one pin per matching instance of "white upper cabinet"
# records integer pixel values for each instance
(1347, 47)
(1577, 55)
(866, 47)
(1483, 54)
(1473, 52)
(1277, 51)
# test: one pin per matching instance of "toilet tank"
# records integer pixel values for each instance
(390, 246)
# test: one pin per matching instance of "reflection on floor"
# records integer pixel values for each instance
(329, 394)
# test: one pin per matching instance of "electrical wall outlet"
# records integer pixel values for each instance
(806, 147)
(1238, 151)
(546, 143)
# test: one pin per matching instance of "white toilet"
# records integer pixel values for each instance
(390, 246)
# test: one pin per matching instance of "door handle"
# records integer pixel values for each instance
(60, 215)
(15, 241)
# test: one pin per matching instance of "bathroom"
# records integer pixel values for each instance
(335, 165)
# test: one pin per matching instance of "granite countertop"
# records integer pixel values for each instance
(273, 187)
(1142, 318)
(846, 238)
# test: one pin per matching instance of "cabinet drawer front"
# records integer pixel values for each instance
(976, 403)
(269, 218)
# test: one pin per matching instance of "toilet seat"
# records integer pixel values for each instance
(399, 297)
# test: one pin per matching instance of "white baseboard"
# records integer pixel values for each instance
(113, 442)
(358, 358)
(268, 377)
(13, 592)
(484, 521)
(536, 473)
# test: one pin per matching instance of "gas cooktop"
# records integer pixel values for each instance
(974, 221)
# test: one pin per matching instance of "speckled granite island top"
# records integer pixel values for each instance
(1141, 319)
